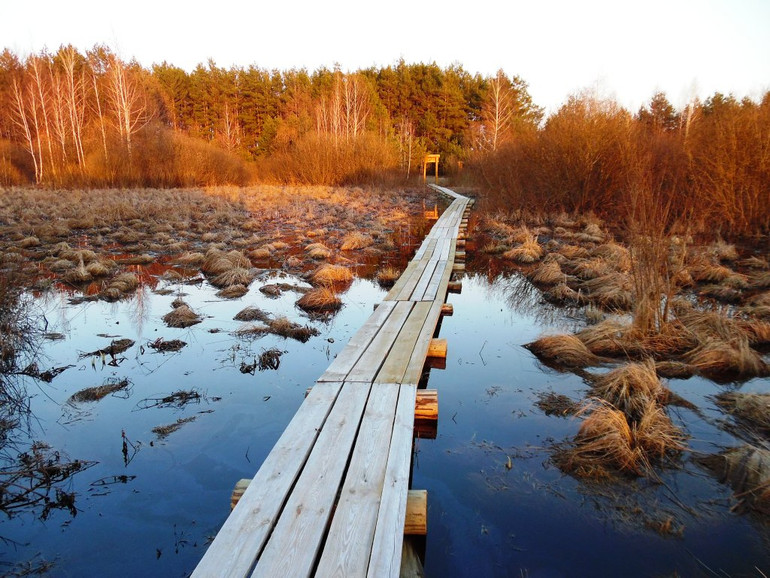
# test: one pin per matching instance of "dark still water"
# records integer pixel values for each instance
(150, 501)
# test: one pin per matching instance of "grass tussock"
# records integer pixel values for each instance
(181, 316)
(163, 431)
(548, 273)
(609, 444)
(320, 300)
(281, 326)
(630, 387)
(331, 275)
(318, 251)
(253, 313)
(563, 352)
(234, 276)
(529, 251)
(355, 241)
(731, 360)
(387, 276)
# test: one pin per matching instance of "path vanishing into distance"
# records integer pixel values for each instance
(332, 498)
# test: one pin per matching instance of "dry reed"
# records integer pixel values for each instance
(320, 300)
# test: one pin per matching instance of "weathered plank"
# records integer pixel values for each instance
(294, 545)
(351, 353)
(241, 538)
(368, 365)
(393, 369)
(349, 542)
(420, 353)
(388, 537)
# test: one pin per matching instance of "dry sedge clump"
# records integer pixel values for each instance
(77, 275)
(387, 276)
(749, 409)
(320, 300)
(286, 328)
(528, 252)
(562, 294)
(548, 273)
(318, 251)
(163, 431)
(610, 338)
(331, 275)
(563, 351)
(608, 443)
(611, 292)
(727, 360)
(355, 241)
(233, 291)
(630, 387)
(234, 276)
(252, 313)
(181, 316)
(190, 259)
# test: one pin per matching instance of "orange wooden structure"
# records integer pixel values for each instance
(429, 158)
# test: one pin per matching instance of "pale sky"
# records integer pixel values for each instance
(625, 49)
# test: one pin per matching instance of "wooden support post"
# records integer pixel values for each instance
(426, 405)
(458, 268)
(437, 348)
(240, 487)
(416, 523)
(455, 287)
(460, 256)
(447, 309)
(460, 243)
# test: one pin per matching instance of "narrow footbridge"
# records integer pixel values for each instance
(331, 498)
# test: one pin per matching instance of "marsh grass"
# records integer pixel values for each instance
(331, 275)
(563, 352)
(320, 300)
(181, 316)
(746, 470)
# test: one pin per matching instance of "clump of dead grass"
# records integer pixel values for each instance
(318, 251)
(563, 352)
(387, 276)
(91, 394)
(355, 241)
(331, 275)
(181, 315)
(548, 273)
(252, 313)
(630, 387)
(281, 326)
(320, 300)
(529, 251)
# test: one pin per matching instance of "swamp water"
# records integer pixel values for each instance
(149, 502)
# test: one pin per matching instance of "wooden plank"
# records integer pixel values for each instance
(395, 365)
(437, 348)
(422, 285)
(350, 354)
(368, 365)
(408, 289)
(293, 547)
(420, 353)
(399, 284)
(349, 542)
(431, 290)
(388, 537)
(424, 248)
(241, 538)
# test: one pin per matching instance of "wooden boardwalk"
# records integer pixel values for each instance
(331, 497)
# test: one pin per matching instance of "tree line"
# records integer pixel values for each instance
(68, 118)
(94, 119)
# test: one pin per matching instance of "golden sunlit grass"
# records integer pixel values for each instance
(563, 351)
(331, 275)
(528, 251)
(387, 276)
(320, 300)
(548, 273)
(630, 387)
(355, 240)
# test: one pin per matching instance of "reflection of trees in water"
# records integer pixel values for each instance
(31, 472)
(527, 300)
